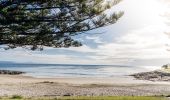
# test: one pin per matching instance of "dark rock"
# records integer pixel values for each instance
(152, 76)
(8, 72)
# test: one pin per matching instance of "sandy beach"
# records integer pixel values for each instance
(74, 86)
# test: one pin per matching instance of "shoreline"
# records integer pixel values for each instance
(152, 77)
(28, 86)
(115, 80)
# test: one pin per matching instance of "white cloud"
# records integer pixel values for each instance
(139, 44)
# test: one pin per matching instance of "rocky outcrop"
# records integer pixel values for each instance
(153, 76)
(8, 72)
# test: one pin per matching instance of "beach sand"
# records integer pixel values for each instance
(74, 86)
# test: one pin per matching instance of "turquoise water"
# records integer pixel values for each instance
(63, 70)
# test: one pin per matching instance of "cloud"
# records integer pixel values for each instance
(138, 44)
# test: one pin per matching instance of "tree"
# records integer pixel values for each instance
(38, 23)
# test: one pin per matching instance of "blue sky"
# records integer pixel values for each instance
(138, 38)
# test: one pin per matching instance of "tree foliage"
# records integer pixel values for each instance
(38, 23)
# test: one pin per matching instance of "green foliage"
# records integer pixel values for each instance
(16, 97)
(53, 23)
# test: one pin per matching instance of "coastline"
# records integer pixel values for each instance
(80, 86)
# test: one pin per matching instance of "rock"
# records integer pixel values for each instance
(152, 76)
(8, 72)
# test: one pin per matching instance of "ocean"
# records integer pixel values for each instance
(70, 70)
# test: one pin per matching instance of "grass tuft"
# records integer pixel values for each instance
(16, 97)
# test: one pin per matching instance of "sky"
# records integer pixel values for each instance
(141, 37)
